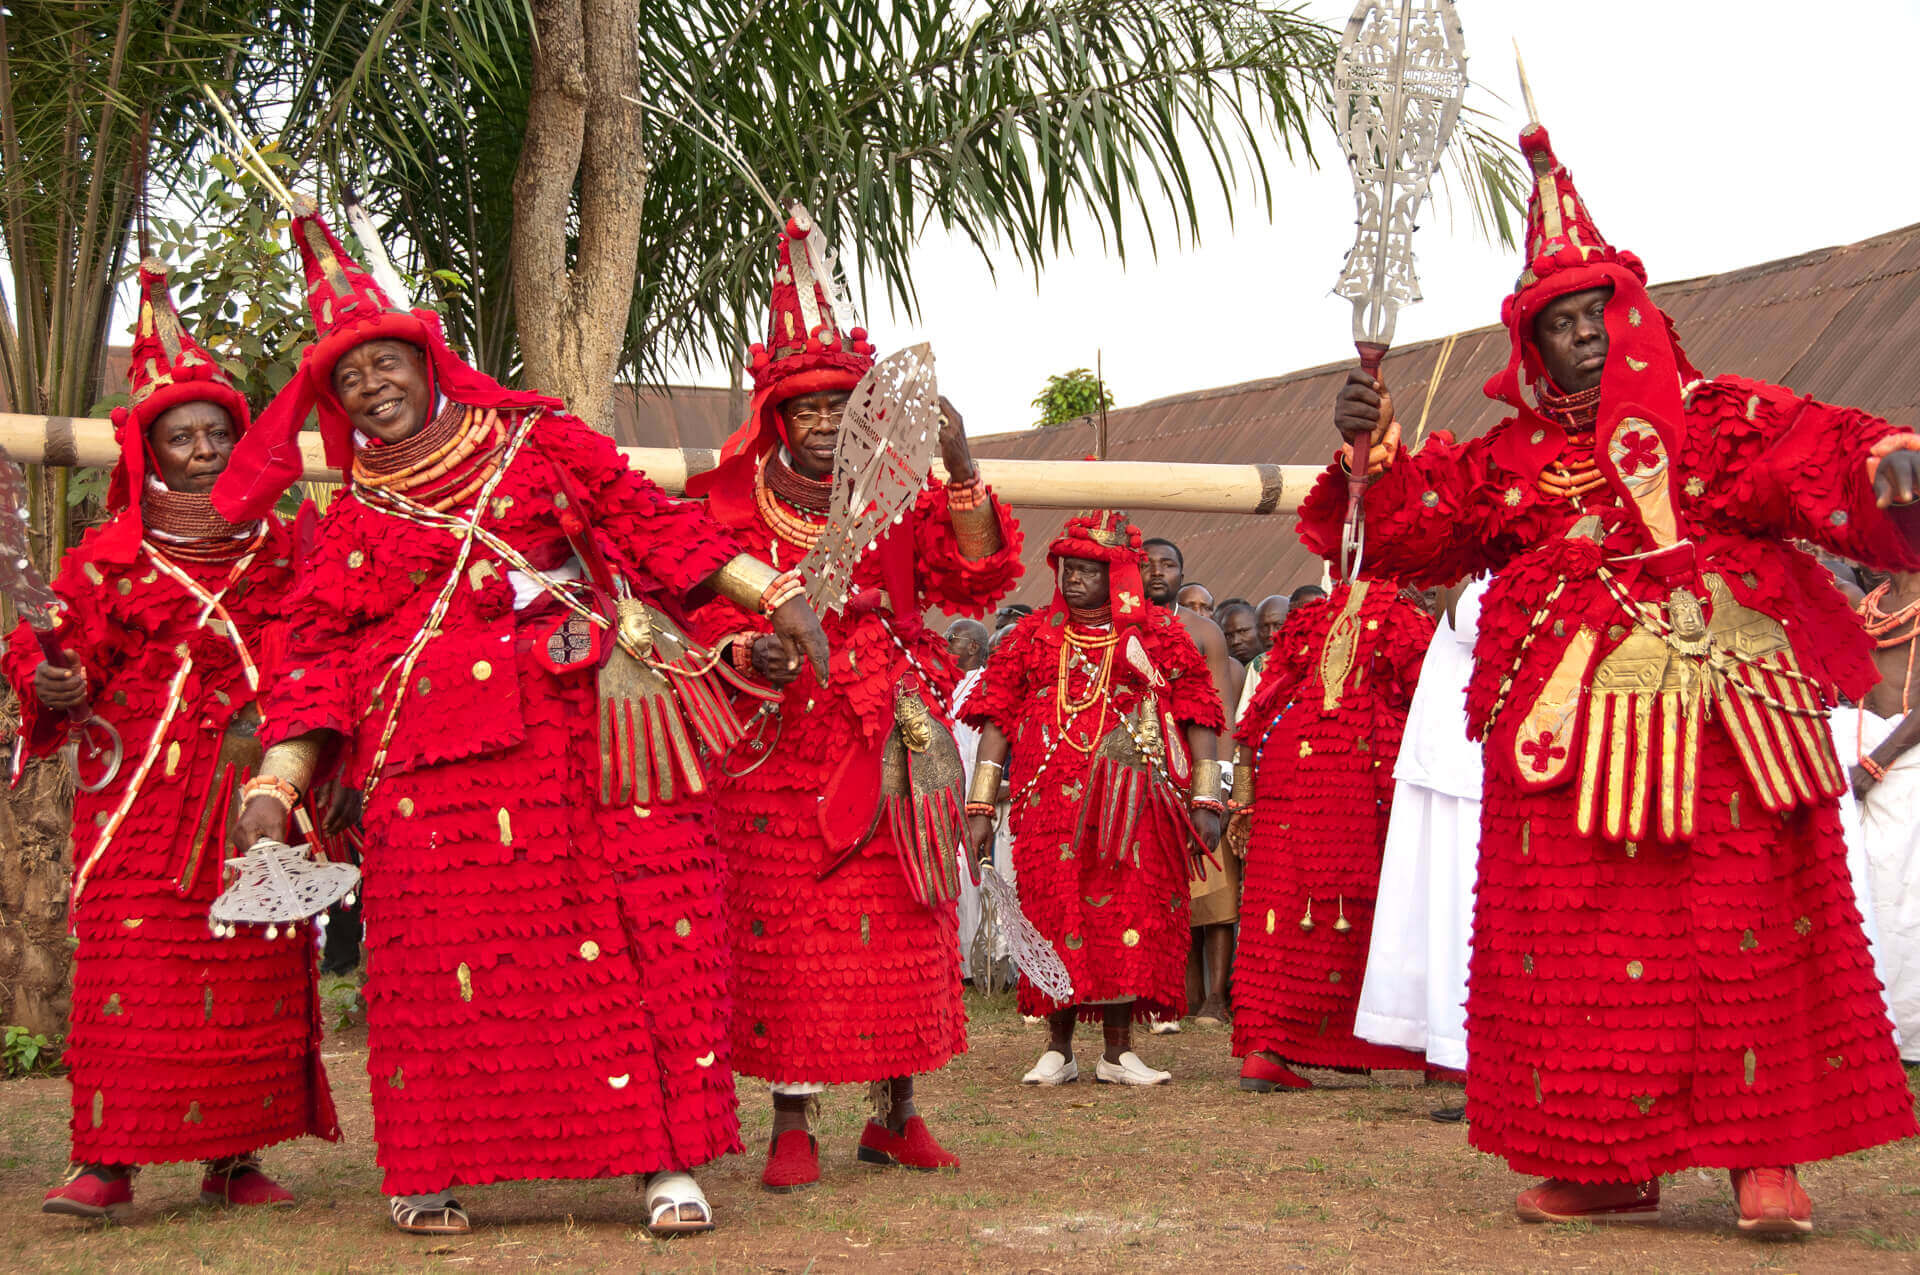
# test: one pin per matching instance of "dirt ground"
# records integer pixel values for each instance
(1081, 1178)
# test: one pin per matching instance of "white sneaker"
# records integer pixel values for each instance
(1128, 1071)
(1163, 1026)
(1054, 1068)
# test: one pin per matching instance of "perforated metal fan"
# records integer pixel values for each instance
(278, 885)
(1031, 951)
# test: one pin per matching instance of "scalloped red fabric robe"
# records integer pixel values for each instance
(1638, 1008)
(1323, 785)
(848, 978)
(546, 978)
(181, 1046)
(1121, 927)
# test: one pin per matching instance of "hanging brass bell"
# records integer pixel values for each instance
(1342, 925)
(1306, 921)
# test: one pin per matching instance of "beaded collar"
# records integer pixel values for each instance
(1574, 412)
(190, 516)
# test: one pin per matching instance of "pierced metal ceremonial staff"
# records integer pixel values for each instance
(1398, 83)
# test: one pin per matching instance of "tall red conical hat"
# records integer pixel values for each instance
(811, 346)
(169, 368)
(348, 308)
(1104, 535)
(1646, 368)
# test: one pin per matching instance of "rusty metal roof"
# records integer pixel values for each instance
(1840, 324)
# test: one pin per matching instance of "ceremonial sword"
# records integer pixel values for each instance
(20, 580)
(1399, 80)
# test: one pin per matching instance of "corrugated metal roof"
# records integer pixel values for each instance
(1840, 324)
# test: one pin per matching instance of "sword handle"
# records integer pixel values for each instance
(1352, 538)
(51, 651)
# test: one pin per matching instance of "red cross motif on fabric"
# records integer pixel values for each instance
(1543, 752)
(1640, 452)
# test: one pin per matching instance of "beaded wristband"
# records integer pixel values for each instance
(967, 496)
(785, 588)
(1873, 768)
(740, 650)
(980, 808)
(1206, 803)
(268, 786)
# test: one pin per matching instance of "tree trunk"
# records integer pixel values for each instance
(34, 951)
(581, 179)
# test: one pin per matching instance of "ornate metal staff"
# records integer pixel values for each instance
(1398, 84)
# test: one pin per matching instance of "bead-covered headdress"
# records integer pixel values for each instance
(349, 308)
(1637, 428)
(812, 346)
(1105, 535)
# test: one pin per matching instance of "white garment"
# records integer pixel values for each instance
(1883, 856)
(967, 739)
(1414, 994)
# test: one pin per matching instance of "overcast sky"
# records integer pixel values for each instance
(1704, 135)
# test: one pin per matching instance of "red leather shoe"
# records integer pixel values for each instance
(1558, 1200)
(1260, 1074)
(793, 1162)
(912, 1147)
(1772, 1201)
(94, 1191)
(238, 1180)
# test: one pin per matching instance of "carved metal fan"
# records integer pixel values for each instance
(1031, 951)
(278, 885)
(880, 463)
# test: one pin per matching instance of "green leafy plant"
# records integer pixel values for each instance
(1071, 395)
(27, 1053)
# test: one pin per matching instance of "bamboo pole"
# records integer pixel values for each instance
(1037, 484)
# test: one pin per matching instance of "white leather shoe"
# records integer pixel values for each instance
(1128, 1071)
(1054, 1068)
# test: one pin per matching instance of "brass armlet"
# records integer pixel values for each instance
(977, 530)
(985, 788)
(744, 581)
(1206, 779)
(293, 762)
(1243, 785)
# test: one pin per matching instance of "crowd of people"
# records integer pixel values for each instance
(1543, 792)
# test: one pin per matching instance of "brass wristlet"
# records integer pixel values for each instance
(1242, 786)
(744, 581)
(1206, 780)
(292, 761)
(977, 529)
(985, 788)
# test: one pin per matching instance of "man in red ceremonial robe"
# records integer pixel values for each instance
(1318, 743)
(182, 1046)
(483, 641)
(1109, 712)
(1668, 967)
(842, 865)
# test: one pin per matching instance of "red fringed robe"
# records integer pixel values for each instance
(546, 978)
(181, 1046)
(847, 979)
(1322, 789)
(1638, 1007)
(1120, 927)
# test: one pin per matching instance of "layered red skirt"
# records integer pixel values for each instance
(836, 980)
(1634, 1009)
(546, 979)
(1319, 830)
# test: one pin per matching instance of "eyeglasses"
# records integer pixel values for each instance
(808, 418)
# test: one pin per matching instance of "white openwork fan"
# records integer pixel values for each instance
(278, 885)
(1031, 951)
(880, 462)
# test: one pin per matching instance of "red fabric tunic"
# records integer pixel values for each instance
(1322, 789)
(182, 1046)
(1637, 1007)
(1120, 927)
(848, 978)
(546, 978)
